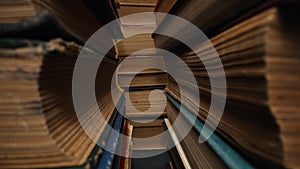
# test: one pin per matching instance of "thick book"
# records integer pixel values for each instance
(133, 45)
(141, 71)
(34, 28)
(230, 156)
(39, 126)
(138, 105)
(198, 155)
(207, 15)
(82, 19)
(260, 63)
(12, 11)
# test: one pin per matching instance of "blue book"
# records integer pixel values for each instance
(105, 134)
(107, 157)
(225, 151)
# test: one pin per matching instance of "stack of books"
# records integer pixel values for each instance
(137, 29)
(145, 106)
(257, 44)
(39, 126)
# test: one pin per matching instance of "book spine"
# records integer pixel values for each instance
(128, 148)
(177, 145)
(124, 145)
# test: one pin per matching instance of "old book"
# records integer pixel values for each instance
(261, 67)
(82, 19)
(199, 155)
(127, 7)
(181, 161)
(138, 105)
(154, 123)
(136, 43)
(143, 63)
(131, 8)
(137, 28)
(226, 152)
(143, 70)
(83, 23)
(163, 6)
(40, 128)
(34, 28)
(195, 11)
(16, 10)
(149, 144)
(150, 2)
(143, 79)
